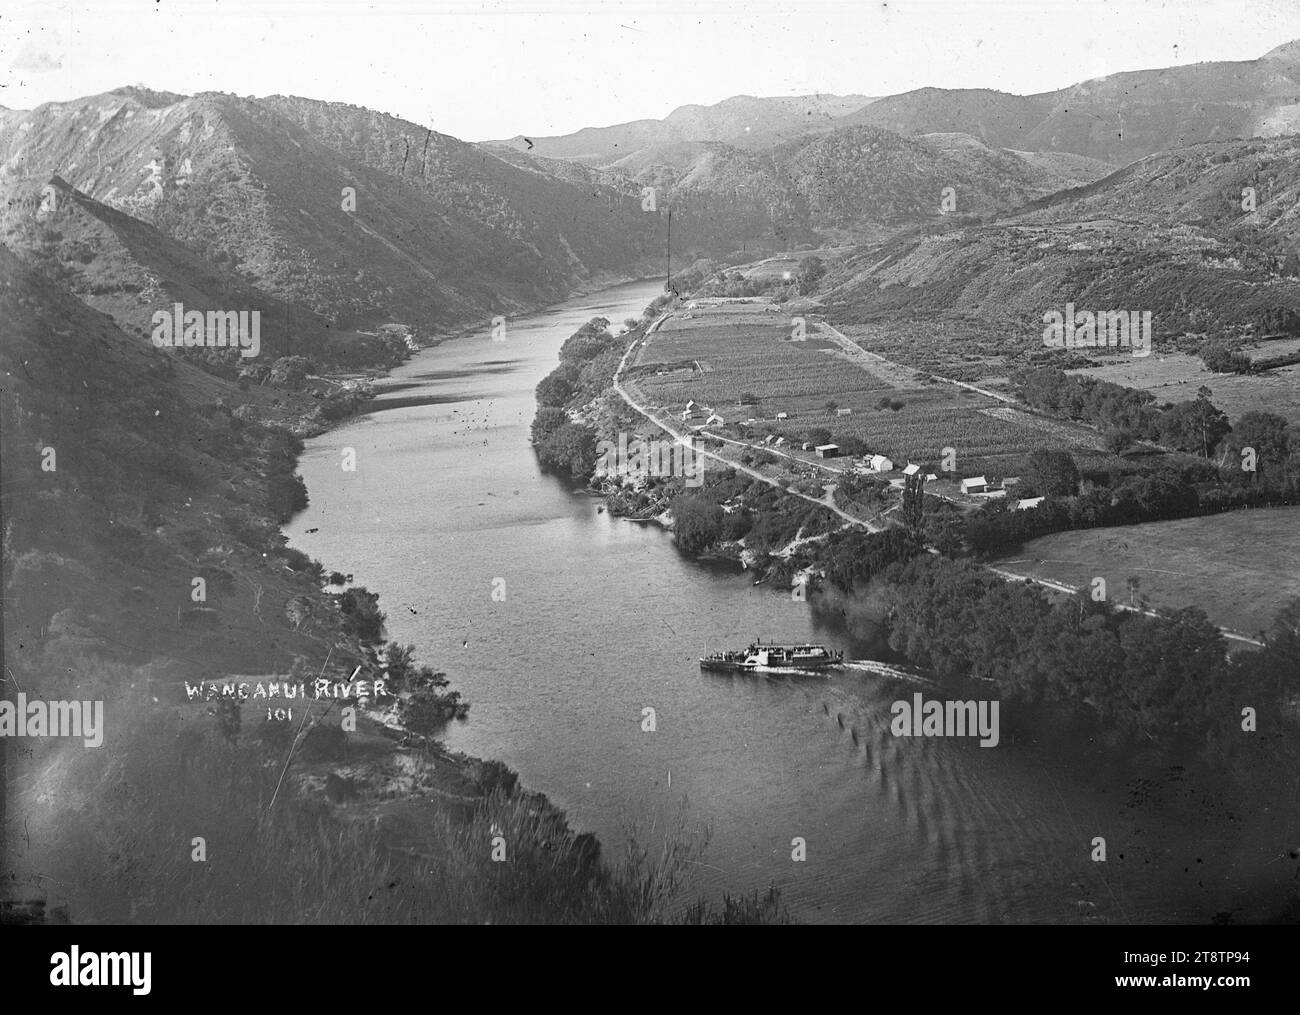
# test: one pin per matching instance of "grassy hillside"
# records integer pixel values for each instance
(129, 473)
(1118, 118)
(440, 236)
(1167, 234)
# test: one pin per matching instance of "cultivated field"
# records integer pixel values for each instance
(1238, 567)
(720, 353)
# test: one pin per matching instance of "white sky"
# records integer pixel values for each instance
(497, 68)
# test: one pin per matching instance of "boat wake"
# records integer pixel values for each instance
(886, 670)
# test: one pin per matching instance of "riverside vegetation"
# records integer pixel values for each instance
(208, 811)
(1164, 685)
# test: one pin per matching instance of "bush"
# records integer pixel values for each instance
(430, 707)
(286, 496)
(362, 617)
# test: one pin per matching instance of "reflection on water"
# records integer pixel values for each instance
(603, 618)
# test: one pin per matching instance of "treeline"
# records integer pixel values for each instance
(1111, 407)
(1166, 678)
(1224, 358)
(763, 516)
(853, 556)
(1257, 466)
(1127, 414)
(1161, 497)
(588, 360)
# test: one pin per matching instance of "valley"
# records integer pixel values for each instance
(269, 362)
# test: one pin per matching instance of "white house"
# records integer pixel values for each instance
(782, 415)
(930, 477)
(779, 441)
(715, 418)
(977, 484)
(879, 463)
(911, 469)
(828, 450)
(1027, 502)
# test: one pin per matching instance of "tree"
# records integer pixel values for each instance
(1195, 426)
(1222, 359)
(430, 705)
(818, 436)
(1051, 473)
(547, 421)
(1117, 439)
(697, 524)
(570, 447)
(361, 614)
(555, 389)
(914, 506)
(1268, 436)
(811, 270)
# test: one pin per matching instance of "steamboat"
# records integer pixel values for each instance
(773, 657)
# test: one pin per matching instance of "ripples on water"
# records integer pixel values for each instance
(603, 618)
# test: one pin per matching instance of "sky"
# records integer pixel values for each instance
(497, 68)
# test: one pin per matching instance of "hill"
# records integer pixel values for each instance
(1115, 119)
(742, 120)
(1118, 118)
(1167, 234)
(442, 232)
(128, 269)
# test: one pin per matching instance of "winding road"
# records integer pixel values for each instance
(826, 500)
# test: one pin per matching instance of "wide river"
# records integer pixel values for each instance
(603, 618)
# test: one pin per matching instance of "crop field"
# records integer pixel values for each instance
(729, 360)
(1176, 376)
(1226, 564)
(720, 353)
(966, 350)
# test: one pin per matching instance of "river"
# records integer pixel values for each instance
(603, 618)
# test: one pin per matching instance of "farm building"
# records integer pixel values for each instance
(714, 418)
(911, 469)
(844, 412)
(778, 442)
(879, 463)
(930, 477)
(1026, 503)
(828, 450)
(782, 415)
(976, 484)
